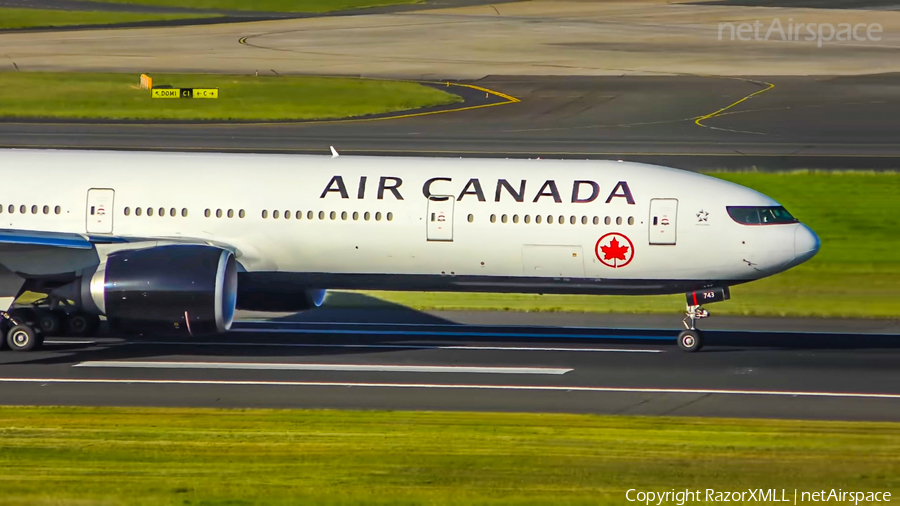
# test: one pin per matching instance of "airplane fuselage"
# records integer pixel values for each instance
(404, 223)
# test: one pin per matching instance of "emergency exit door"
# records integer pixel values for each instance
(440, 218)
(100, 210)
(663, 220)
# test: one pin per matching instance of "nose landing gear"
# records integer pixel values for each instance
(691, 339)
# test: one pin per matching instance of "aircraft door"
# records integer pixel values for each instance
(440, 218)
(663, 220)
(100, 210)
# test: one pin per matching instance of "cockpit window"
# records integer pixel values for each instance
(760, 215)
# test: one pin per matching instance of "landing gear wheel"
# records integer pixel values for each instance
(690, 340)
(82, 325)
(23, 338)
(48, 323)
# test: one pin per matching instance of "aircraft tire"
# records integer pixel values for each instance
(23, 338)
(690, 341)
(48, 322)
(82, 325)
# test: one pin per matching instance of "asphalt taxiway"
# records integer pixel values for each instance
(432, 362)
(691, 122)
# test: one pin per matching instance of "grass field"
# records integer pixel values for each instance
(855, 274)
(30, 18)
(116, 96)
(159, 457)
(271, 5)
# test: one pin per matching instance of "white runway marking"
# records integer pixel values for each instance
(690, 391)
(67, 341)
(404, 346)
(268, 366)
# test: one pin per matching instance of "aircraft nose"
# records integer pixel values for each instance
(806, 244)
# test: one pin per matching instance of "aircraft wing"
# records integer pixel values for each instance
(70, 240)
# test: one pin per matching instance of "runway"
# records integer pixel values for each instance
(797, 123)
(431, 363)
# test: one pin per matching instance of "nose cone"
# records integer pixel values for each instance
(806, 244)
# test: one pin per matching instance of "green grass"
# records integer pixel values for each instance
(855, 274)
(31, 18)
(160, 457)
(116, 96)
(271, 5)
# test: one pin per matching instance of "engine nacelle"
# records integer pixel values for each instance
(188, 289)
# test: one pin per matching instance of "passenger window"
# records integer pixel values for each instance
(219, 213)
(275, 214)
(184, 212)
(241, 213)
(607, 220)
(127, 211)
(138, 211)
(57, 210)
(162, 212)
(355, 216)
(33, 209)
(572, 220)
(631, 220)
(527, 218)
(549, 219)
(231, 213)
(596, 220)
(46, 209)
(265, 214)
(366, 216)
(618, 220)
(21, 209)
(493, 218)
(173, 212)
(149, 211)
(207, 213)
(390, 216)
(332, 215)
(515, 218)
(584, 220)
(503, 219)
(537, 218)
(287, 215)
(344, 215)
(377, 216)
(470, 218)
(321, 215)
(298, 215)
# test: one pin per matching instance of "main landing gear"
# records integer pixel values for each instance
(691, 339)
(24, 328)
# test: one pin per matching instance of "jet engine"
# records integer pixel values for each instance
(182, 289)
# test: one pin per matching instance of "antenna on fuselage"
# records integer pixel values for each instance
(334, 153)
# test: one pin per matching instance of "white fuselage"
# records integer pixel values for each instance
(365, 222)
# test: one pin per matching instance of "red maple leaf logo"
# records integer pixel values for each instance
(614, 251)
